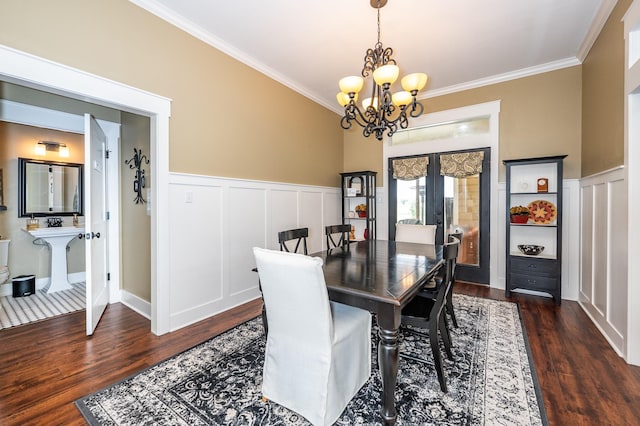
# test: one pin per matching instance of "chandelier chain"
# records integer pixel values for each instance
(378, 21)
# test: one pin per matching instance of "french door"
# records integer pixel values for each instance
(457, 202)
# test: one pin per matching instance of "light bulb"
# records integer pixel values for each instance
(40, 149)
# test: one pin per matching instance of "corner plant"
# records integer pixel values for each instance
(519, 211)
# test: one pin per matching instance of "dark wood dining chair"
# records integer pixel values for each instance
(457, 236)
(341, 233)
(453, 238)
(427, 312)
(299, 236)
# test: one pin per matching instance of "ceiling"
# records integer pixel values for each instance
(460, 44)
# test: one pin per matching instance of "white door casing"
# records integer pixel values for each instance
(491, 139)
(31, 71)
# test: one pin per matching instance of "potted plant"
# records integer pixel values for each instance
(519, 214)
(361, 210)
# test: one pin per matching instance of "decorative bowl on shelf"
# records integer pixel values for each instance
(519, 218)
(530, 249)
(362, 214)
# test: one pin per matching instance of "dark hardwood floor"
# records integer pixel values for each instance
(46, 366)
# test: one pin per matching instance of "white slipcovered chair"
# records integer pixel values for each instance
(423, 234)
(318, 353)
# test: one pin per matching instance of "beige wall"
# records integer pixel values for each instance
(603, 97)
(227, 119)
(135, 228)
(362, 153)
(17, 140)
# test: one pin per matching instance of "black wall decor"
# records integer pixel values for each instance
(139, 182)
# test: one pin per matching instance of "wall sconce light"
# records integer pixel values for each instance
(43, 146)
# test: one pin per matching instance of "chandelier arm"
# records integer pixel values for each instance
(353, 113)
(416, 109)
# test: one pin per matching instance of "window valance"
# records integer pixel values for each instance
(461, 165)
(410, 168)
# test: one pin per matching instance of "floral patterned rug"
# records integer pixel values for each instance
(491, 380)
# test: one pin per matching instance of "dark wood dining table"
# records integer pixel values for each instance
(381, 277)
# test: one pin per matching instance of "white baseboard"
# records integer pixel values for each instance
(139, 305)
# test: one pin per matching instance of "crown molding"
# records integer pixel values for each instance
(606, 7)
(198, 32)
(500, 78)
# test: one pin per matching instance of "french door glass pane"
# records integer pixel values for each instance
(411, 201)
(462, 213)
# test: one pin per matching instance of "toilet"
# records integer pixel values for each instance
(4, 261)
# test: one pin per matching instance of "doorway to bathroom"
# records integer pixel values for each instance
(33, 72)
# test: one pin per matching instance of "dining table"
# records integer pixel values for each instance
(382, 277)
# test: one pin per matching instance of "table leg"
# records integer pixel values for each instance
(388, 363)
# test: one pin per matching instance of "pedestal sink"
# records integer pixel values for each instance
(57, 238)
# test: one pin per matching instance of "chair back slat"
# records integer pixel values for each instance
(332, 231)
(298, 235)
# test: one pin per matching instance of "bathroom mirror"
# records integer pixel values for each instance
(49, 188)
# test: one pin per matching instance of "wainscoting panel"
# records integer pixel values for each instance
(617, 312)
(215, 224)
(246, 227)
(586, 256)
(311, 216)
(196, 249)
(287, 215)
(600, 249)
(603, 284)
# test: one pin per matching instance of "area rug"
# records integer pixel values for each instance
(16, 311)
(491, 381)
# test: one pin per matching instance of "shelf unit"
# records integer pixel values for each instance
(540, 273)
(359, 188)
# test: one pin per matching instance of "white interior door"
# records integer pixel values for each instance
(95, 181)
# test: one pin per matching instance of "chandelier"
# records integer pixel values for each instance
(382, 111)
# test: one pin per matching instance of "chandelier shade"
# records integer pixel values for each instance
(415, 81)
(382, 112)
(351, 84)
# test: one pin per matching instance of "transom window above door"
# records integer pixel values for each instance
(447, 130)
